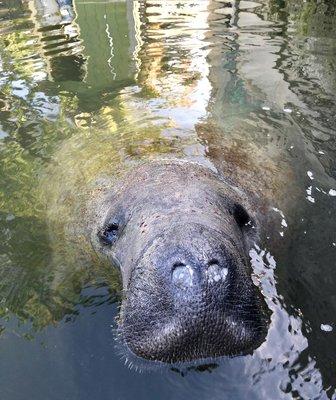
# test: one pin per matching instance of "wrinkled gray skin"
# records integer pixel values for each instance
(181, 235)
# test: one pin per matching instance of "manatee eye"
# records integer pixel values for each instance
(241, 216)
(108, 234)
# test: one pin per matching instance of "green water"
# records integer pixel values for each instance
(247, 88)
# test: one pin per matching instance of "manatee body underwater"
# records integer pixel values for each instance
(180, 235)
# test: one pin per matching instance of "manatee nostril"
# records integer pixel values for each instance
(182, 275)
(213, 261)
(215, 272)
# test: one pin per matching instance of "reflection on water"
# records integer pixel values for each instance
(88, 89)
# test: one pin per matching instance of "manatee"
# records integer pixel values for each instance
(180, 235)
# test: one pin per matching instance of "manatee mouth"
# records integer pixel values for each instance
(192, 300)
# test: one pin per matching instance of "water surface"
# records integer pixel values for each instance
(243, 87)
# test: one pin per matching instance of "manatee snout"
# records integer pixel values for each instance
(182, 244)
(191, 299)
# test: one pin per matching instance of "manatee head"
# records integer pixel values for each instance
(181, 237)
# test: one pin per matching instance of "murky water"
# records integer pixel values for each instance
(87, 89)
